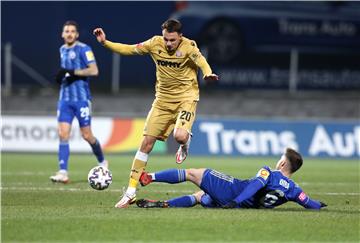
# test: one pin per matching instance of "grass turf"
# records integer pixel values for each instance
(35, 210)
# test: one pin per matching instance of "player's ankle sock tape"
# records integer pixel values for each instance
(137, 168)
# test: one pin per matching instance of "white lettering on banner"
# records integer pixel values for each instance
(339, 144)
(212, 129)
(312, 28)
(226, 140)
(247, 142)
(40, 134)
(357, 139)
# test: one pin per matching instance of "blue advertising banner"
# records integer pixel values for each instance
(269, 138)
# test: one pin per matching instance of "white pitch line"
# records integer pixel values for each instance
(152, 191)
(32, 173)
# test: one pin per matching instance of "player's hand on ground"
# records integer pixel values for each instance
(211, 77)
(231, 204)
(323, 205)
(100, 35)
(61, 74)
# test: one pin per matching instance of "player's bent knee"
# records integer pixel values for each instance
(198, 196)
(193, 175)
(181, 136)
(88, 137)
(64, 136)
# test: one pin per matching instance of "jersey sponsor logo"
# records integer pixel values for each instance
(263, 173)
(168, 63)
(90, 56)
(302, 196)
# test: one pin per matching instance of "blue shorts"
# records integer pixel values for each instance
(67, 110)
(220, 188)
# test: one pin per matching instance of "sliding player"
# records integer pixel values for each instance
(268, 189)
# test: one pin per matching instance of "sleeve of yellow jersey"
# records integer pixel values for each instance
(200, 61)
(124, 49)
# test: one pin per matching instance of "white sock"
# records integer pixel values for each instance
(130, 190)
(142, 156)
(187, 144)
(152, 176)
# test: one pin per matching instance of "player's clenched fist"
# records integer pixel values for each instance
(100, 35)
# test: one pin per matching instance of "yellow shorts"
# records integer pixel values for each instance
(164, 116)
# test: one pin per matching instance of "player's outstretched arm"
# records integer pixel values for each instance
(309, 203)
(249, 191)
(211, 77)
(120, 48)
(313, 204)
(100, 35)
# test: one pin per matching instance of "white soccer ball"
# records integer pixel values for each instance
(99, 178)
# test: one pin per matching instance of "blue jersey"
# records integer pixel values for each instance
(267, 189)
(78, 56)
(277, 189)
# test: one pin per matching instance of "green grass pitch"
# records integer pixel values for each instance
(33, 209)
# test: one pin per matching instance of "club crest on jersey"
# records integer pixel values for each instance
(178, 53)
(72, 55)
(263, 173)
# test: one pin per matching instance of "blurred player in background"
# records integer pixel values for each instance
(77, 65)
(268, 189)
(177, 60)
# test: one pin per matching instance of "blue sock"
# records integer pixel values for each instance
(96, 148)
(63, 154)
(171, 176)
(182, 202)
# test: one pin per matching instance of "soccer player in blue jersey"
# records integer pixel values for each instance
(268, 189)
(77, 65)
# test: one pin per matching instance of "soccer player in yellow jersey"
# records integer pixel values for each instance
(177, 60)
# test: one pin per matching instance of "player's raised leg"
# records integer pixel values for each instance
(173, 176)
(182, 131)
(138, 167)
(183, 137)
(61, 176)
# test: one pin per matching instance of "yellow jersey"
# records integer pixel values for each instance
(176, 71)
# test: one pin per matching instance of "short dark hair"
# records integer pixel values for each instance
(73, 23)
(294, 158)
(172, 25)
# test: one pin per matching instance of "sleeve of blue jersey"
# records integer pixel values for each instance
(261, 178)
(249, 191)
(83, 54)
(305, 201)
